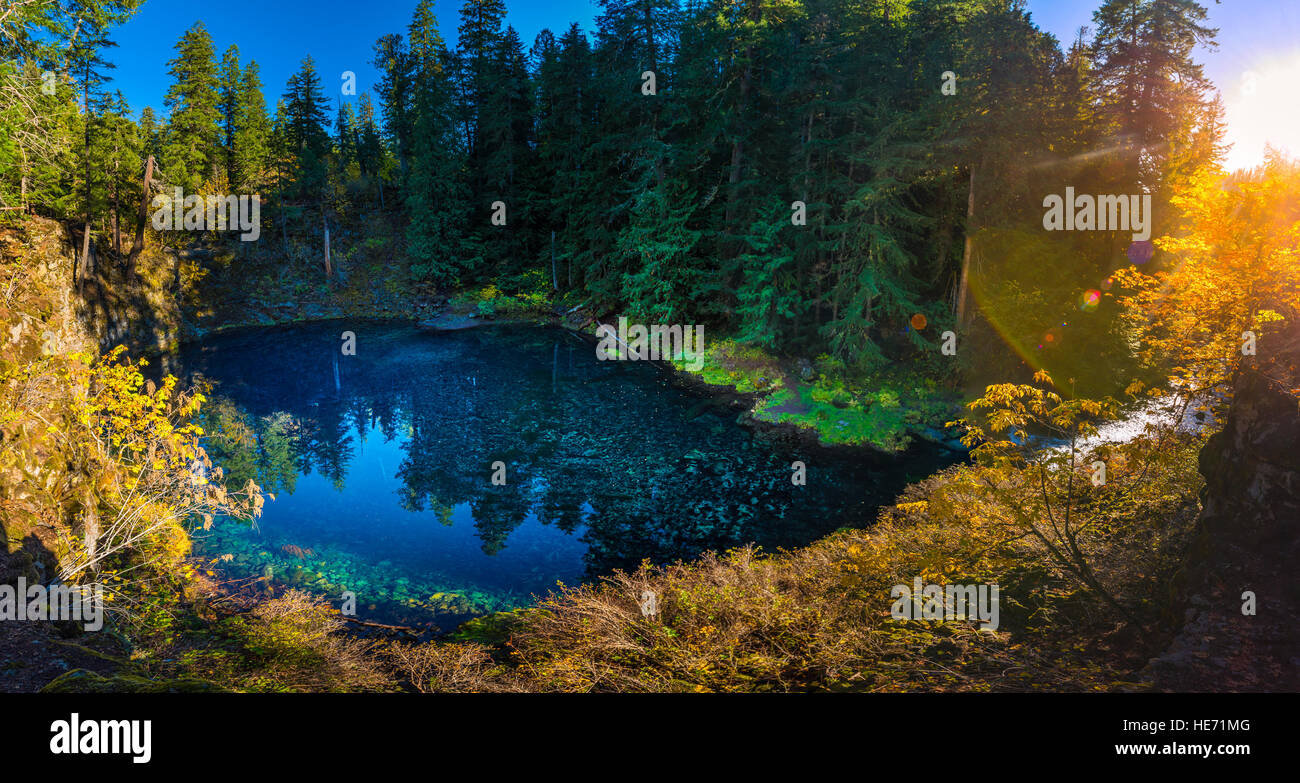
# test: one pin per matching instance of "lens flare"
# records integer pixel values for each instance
(919, 322)
(1141, 251)
(1089, 299)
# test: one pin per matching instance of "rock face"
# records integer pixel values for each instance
(1248, 538)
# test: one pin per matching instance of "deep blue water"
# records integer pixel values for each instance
(381, 466)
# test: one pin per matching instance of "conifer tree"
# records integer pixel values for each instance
(435, 200)
(394, 90)
(193, 138)
(231, 83)
(251, 138)
(306, 134)
(1149, 87)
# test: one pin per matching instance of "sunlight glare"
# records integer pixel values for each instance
(1264, 108)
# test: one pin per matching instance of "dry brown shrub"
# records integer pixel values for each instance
(435, 667)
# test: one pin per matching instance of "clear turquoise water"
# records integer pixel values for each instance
(381, 466)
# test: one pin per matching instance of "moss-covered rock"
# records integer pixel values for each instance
(492, 629)
(85, 681)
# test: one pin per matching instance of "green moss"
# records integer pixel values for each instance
(493, 629)
(744, 367)
(84, 681)
(884, 409)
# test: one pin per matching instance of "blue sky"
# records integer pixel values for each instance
(278, 34)
(1257, 64)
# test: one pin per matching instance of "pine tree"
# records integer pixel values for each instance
(564, 108)
(370, 149)
(655, 247)
(117, 151)
(1149, 86)
(630, 153)
(394, 89)
(231, 83)
(252, 131)
(436, 204)
(151, 133)
(89, 69)
(509, 159)
(478, 64)
(770, 300)
(345, 140)
(193, 139)
(306, 134)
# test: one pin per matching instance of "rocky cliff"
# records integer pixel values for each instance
(1248, 538)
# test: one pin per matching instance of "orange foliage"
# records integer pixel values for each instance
(1236, 264)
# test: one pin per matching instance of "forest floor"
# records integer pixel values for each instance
(1222, 649)
(32, 654)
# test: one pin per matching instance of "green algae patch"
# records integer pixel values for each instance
(394, 594)
(492, 629)
(885, 409)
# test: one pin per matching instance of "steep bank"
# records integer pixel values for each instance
(1247, 539)
(42, 323)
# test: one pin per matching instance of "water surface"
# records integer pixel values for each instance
(382, 464)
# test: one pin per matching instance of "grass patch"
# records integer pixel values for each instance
(489, 301)
(884, 409)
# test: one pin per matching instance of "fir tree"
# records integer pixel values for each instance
(193, 138)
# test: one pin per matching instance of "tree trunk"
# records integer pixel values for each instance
(117, 233)
(963, 284)
(329, 272)
(143, 218)
(83, 270)
(22, 182)
(90, 531)
(85, 237)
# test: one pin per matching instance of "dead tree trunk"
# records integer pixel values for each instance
(329, 272)
(84, 268)
(142, 218)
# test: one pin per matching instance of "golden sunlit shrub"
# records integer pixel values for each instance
(146, 475)
(297, 642)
